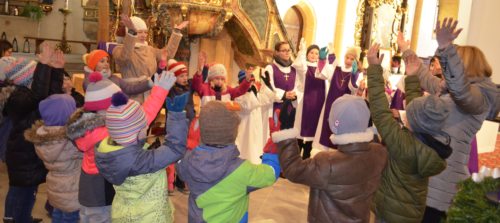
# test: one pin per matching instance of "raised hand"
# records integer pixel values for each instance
(372, 57)
(323, 52)
(166, 80)
(412, 63)
(446, 32)
(181, 25)
(403, 44)
(330, 47)
(126, 7)
(57, 60)
(302, 45)
(127, 22)
(46, 51)
(249, 73)
(202, 60)
(178, 103)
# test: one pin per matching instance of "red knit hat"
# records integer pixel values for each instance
(176, 67)
(91, 59)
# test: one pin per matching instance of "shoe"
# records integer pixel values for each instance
(170, 192)
(8, 220)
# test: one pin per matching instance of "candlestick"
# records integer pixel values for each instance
(66, 4)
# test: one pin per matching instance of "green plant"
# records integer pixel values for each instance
(34, 12)
(471, 205)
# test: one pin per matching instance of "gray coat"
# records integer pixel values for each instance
(470, 102)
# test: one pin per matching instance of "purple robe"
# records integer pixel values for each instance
(314, 97)
(397, 101)
(283, 83)
(335, 91)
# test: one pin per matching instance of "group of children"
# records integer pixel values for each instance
(98, 167)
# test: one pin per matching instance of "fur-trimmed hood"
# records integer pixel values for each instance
(80, 122)
(5, 93)
(41, 134)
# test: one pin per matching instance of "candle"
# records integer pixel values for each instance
(66, 5)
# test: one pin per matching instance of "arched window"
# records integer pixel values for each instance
(294, 23)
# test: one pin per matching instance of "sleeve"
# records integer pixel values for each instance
(312, 172)
(173, 43)
(265, 96)
(412, 88)
(131, 88)
(300, 65)
(41, 81)
(467, 97)
(353, 88)
(122, 54)
(278, 93)
(89, 140)
(429, 82)
(265, 174)
(247, 102)
(240, 90)
(56, 81)
(197, 84)
(154, 102)
(327, 72)
(149, 161)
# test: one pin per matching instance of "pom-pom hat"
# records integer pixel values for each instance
(125, 119)
(99, 92)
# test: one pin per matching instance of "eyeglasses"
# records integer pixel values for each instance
(285, 51)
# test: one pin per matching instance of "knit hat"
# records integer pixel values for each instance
(218, 125)
(354, 51)
(427, 114)
(56, 109)
(349, 114)
(125, 119)
(91, 59)
(241, 76)
(139, 24)
(217, 70)
(18, 70)
(176, 67)
(99, 92)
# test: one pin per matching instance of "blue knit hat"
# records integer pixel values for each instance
(56, 109)
(241, 76)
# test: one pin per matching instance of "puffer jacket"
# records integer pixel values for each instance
(23, 165)
(63, 161)
(470, 102)
(402, 193)
(343, 181)
(139, 177)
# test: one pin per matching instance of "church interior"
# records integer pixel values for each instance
(243, 33)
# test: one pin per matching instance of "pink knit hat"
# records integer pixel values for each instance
(99, 92)
(125, 119)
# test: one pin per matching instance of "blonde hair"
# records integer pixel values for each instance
(475, 63)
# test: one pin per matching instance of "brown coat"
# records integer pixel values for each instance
(62, 159)
(342, 181)
(141, 62)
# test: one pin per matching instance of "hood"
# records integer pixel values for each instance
(114, 162)
(5, 93)
(51, 138)
(80, 122)
(208, 164)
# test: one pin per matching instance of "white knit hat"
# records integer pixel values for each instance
(217, 70)
(139, 24)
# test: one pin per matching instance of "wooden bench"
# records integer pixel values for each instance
(39, 41)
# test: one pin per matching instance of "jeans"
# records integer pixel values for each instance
(19, 203)
(95, 214)
(59, 216)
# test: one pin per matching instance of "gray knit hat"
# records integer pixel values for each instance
(218, 124)
(349, 114)
(427, 114)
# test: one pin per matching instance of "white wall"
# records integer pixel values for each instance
(426, 43)
(484, 31)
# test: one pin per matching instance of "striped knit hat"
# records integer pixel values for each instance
(17, 70)
(99, 92)
(124, 119)
(176, 67)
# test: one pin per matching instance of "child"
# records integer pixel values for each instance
(138, 174)
(98, 61)
(86, 128)
(216, 88)
(69, 89)
(219, 181)
(343, 181)
(414, 155)
(59, 154)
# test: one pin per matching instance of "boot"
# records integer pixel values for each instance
(8, 220)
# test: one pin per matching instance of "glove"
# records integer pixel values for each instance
(323, 52)
(204, 73)
(266, 80)
(166, 80)
(302, 45)
(287, 115)
(354, 67)
(177, 103)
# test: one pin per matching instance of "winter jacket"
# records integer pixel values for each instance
(208, 94)
(219, 182)
(402, 193)
(129, 88)
(137, 62)
(86, 129)
(470, 101)
(63, 161)
(343, 181)
(139, 177)
(177, 90)
(23, 165)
